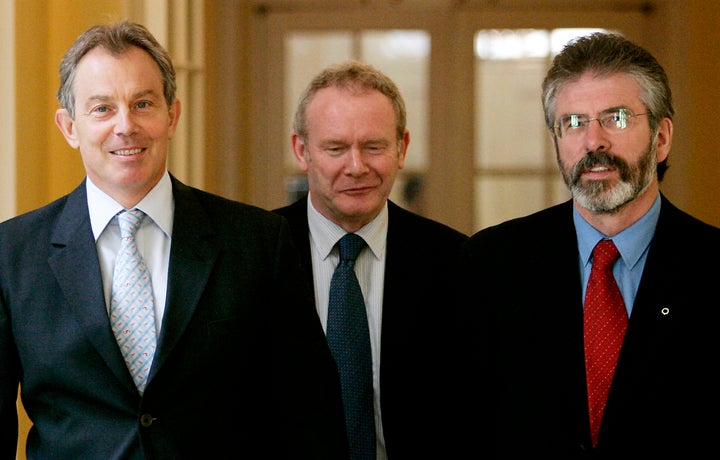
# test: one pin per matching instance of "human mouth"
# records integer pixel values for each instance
(595, 163)
(127, 152)
(358, 190)
(599, 168)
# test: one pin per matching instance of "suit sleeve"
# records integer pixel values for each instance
(9, 376)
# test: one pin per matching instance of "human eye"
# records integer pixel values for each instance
(144, 106)
(572, 122)
(334, 150)
(616, 119)
(100, 111)
(146, 101)
(375, 149)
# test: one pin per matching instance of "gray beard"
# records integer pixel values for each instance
(598, 195)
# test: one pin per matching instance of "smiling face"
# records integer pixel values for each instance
(607, 169)
(123, 125)
(352, 155)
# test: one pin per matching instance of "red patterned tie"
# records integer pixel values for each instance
(605, 321)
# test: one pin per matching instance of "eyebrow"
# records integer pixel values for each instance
(609, 110)
(374, 141)
(104, 98)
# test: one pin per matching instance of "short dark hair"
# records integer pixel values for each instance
(117, 39)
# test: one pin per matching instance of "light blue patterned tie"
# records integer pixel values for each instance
(349, 340)
(132, 311)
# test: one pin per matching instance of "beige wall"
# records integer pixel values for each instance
(698, 162)
(684, 36)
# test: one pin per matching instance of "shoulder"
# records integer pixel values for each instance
(199, 208)
(296, 211)
(679, 228)
(70, 208)
(542, 221)
(548, 225)
(669, 214)
(408, 225)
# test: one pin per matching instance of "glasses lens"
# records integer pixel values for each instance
(617, 120)
(568, 123)
(612, 121)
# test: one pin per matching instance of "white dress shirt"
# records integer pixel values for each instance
(153, 237)
(370, 271)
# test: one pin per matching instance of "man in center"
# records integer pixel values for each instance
(350, 138)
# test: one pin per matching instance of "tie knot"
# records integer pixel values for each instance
(350, 246)
(129, 222)
(605, 254)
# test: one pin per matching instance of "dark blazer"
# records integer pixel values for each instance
(413, 384)
(523, 311)
(242, 368)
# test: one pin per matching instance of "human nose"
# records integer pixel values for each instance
(355, 164)
(125, 123)
(596, 137)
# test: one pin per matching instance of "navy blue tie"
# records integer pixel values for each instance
(349, 340)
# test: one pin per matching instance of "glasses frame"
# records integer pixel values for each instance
(611, 120)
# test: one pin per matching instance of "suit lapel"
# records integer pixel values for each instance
(398, 304)
(192, 256)
(652, 324)
(296, 214)
(77, 270)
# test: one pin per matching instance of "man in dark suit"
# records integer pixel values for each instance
(609, 110)
(350, 138)
(241, 367)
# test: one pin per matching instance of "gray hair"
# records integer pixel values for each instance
(606, 54)
(356, 77)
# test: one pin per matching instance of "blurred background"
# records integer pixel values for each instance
(470, 71)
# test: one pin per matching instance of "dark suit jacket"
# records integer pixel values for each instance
(523, 310)
(242, 368)
(413, 383)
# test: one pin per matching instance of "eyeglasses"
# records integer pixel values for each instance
(613, 121)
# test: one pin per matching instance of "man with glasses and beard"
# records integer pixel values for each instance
(551, 372)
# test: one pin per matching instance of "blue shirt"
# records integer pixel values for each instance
(633, 244)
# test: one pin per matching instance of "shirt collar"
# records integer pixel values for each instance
(325, 233)
(631, 242)
(158, 204)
